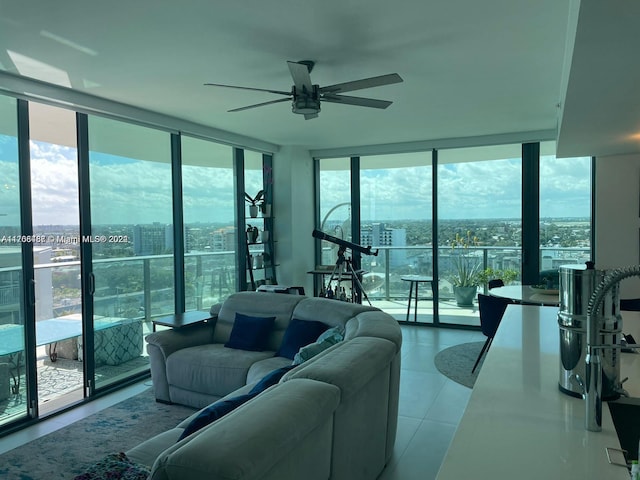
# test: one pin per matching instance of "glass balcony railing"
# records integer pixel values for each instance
(142, 287)
(382, 280)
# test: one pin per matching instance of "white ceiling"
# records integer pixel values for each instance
(470, 68)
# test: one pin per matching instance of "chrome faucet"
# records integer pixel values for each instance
(592, 383)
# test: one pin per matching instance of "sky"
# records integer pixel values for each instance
(127, 191)
(484, 189)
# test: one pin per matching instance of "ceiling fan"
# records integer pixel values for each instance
(306, 97)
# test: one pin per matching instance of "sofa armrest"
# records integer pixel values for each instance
(162, 344)
(374, 324)
(169, 341)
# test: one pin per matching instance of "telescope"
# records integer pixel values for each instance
(344, 243)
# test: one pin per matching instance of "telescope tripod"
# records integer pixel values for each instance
(338, 272)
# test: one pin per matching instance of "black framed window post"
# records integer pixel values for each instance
(530, 213)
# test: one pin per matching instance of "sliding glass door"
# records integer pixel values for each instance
(55, 217)
(130, 181)
(396, 221)
(13, 395)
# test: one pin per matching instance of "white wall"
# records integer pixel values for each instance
(617, 217)
(293, 213)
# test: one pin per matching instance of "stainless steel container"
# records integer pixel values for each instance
(577, 284)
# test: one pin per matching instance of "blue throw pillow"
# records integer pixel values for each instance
(222, 407)
(298, 334)
(214, 412)
(250, 333)
(269, 379)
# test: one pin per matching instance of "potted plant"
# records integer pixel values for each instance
(465, 278)
(265, 208)
(253, 202)
(507, 275)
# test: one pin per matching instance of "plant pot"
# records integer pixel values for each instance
(465, 295)
(253, 211)
(265, 208)
(252, 234)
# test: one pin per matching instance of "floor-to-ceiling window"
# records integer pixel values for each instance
(209, 227)
(335, 204)
(479, 224)
(133, 265)
(13, 401)
(396, 220)
(55, 217)
(565, 209)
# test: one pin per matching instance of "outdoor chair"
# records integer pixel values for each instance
(495, 282)
(491, 311)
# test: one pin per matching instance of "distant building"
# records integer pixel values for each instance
(378, 235)
(223, 239)
(152, 239)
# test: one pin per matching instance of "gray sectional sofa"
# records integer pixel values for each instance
(333, 416)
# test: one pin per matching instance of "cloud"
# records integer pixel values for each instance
(140, 191)
(482, 189)
(124, 192)
(54, 184)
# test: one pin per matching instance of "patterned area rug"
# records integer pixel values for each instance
(456, 362)
(69, 451)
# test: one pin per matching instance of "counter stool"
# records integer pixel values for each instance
(414, 281)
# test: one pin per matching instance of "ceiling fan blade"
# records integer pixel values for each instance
(279, 92)
(309, 116)
(301, 77)
(260, 104)
(361, 102)
(364, 83)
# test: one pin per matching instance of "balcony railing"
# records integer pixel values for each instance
(386, 269)
(143, 287)
(131, 287)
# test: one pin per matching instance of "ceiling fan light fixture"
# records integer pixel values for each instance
(305, 105)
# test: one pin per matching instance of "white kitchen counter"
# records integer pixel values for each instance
(518, 425)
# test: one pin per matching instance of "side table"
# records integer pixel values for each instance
(414, 281)
(180, 320)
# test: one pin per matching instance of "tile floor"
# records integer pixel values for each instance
(430, 406)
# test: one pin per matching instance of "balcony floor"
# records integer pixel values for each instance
(449, 312)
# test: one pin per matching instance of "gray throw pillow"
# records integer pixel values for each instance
(324, 341)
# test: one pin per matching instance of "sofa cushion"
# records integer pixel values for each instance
(325, 340)
(250, 333)
(298, 334)
(211, 369)
(220, 408)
